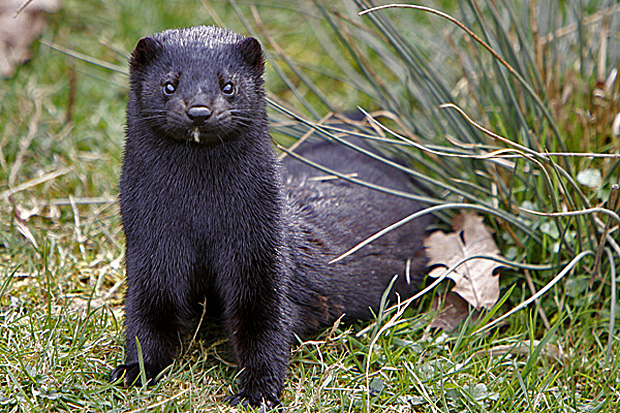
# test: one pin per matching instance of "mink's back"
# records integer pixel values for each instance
(330, 216)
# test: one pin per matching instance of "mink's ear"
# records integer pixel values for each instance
(145, 51)
(253, 53)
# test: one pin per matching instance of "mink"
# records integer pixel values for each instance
(212, 217)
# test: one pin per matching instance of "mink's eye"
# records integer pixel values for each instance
(169, 88)
(228, 89)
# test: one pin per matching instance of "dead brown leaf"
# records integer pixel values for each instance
(474, 279)
(452, 310)
(20, 24)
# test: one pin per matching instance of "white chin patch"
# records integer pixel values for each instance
(196, 135)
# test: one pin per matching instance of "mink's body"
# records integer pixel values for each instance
(210, 214)
(327, 217)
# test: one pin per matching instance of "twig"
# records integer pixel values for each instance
(34, 182)
(611, 204)
(82, 201)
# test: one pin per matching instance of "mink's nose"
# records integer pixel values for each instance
(199, 114)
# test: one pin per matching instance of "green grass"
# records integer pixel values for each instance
(61, 245)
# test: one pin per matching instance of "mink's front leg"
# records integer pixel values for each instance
(260, 335)
(154, 316)
(153, 326)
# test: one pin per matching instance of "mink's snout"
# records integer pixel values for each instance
(199, 114)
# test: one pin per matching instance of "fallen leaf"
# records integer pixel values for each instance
(452, 309)
(474, 279)
(19, 26)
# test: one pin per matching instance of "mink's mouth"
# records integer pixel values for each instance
(204, 136)
(196, 134)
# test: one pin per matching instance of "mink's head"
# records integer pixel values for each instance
(201, 84)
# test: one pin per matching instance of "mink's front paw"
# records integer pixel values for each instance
(130, 373)
(260, 404)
